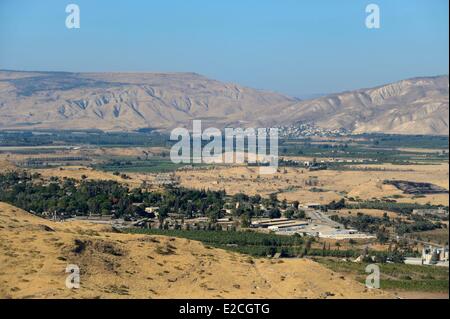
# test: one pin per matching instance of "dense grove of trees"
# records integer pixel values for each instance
(378, 225)
(65, 197)
(68, 197)
(387, 205)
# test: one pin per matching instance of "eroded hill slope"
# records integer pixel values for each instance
(131, 101)
(34, 254)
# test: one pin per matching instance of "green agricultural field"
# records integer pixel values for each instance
(396, 276)
(247, 242)
(253, 243)
(361, 151)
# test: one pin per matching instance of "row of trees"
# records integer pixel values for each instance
(392, 206)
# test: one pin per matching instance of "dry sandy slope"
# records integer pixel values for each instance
(33, 259)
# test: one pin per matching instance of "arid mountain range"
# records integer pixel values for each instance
(131, 101)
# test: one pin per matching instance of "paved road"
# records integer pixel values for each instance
(320, 218)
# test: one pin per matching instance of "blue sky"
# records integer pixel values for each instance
(291, 46)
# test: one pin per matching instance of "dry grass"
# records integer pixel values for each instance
(333, 184)
(78, 172)
(35, 252)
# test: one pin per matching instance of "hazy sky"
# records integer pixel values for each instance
(291, 46)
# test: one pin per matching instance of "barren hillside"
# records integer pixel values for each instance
(413, 106)
(127, 101)
(35, 252)
(131, 101)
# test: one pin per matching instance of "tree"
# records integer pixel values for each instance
(245, 221)
(382, 237)
(255, 199)
(301, 214)
(308, 244)
(94, 206)
(289, 213)
(273, 199)
(336, 205)
(274, 213)
(163, 213)
(214, 213)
